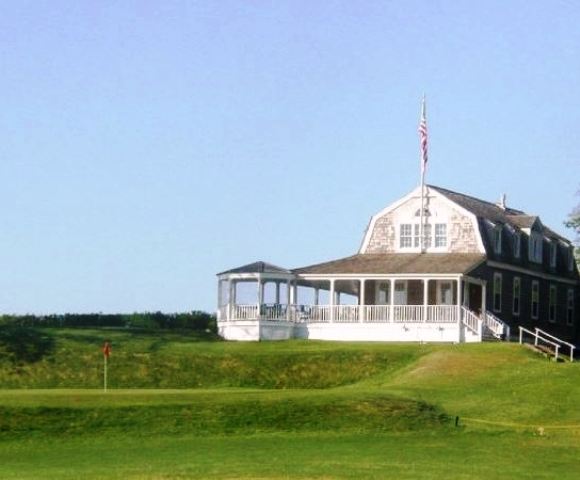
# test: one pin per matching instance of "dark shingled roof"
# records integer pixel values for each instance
(257, 267)
(377, 263)
(496, 214)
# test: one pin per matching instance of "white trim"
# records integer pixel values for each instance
(545, 276)
(534, 282)
(380, 276)
(519, 281)
(495, 276)
(569, 307)
(382, 213)
(553, 288)
(417, 193)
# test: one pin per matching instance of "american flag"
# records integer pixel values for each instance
(423, 137)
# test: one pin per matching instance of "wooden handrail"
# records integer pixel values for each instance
(572, 347)
(538, 336)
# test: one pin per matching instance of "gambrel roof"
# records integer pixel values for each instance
(494, 213)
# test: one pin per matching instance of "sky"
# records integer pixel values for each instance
(146, 146)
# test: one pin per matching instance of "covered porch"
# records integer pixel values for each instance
(314, 304)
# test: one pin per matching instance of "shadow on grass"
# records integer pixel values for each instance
(24, 344)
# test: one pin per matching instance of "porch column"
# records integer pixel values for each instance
(425, 298)
(332, 299)
(458, 307)
(483, 296)
(260, 297)
(231, 298)
(219, 300)
(288, 304)
(361, 301)
(391, 299)
(277, 292)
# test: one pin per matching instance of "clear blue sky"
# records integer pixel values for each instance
(147, 145)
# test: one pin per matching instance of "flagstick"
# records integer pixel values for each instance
(422, 163)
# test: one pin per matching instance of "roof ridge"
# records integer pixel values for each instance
(508, 209)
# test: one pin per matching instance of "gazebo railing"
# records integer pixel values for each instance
(344, 313)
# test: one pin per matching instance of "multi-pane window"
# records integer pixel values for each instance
(570, 307)
(553, 253)
(552, 304)
(406, 236)
(440, 235)
(497, 239)
(535, 248)
(410, 235)
(516, 295)
(535, 298)
(517, 244)
(497, 292)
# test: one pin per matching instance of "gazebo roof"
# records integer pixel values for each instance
(257, 267)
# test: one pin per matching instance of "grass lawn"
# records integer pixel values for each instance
(287, 410)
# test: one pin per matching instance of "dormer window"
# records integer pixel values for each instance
(553, 254)
(517, 244)
(497, 239)
(535, 248)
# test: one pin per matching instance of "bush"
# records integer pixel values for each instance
(195, 320)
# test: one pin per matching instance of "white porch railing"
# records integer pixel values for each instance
(376, 313)
(442, 313)
(244, 312)
(471, 320)
(348, 313)
(497, 328)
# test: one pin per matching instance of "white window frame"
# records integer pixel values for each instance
(517, 244)
(497, 292)
(570, 307)
(553, 254)
(497, 234)
(440, 237)
(408, 236)
(552, 303)
(410, 241)
(535, 247)
(536, 301)
(518, 282)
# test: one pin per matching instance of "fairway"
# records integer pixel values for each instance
(288, 410)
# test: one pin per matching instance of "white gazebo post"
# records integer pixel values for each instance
(231, 298)
(260, 297)
(361, 301)
(425, 298)
(288, 302)
(332, 299)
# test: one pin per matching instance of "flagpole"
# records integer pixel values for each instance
(422, 163)
(105, 375)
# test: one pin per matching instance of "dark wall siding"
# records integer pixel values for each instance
(558, 328)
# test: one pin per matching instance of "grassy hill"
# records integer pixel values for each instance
(189, 406)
